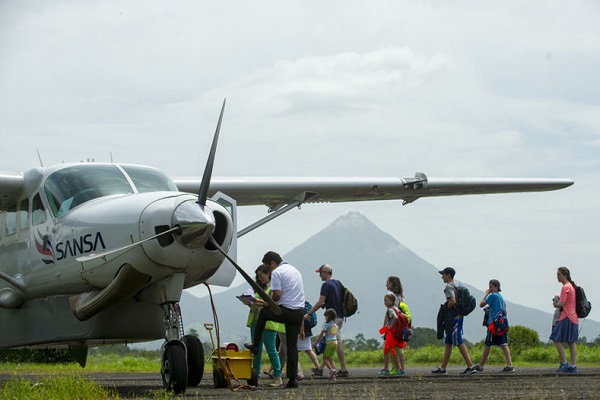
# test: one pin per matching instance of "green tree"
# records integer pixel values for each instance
(520, 338)
(422, 337)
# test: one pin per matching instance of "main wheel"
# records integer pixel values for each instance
(174, 369)
(195, 359)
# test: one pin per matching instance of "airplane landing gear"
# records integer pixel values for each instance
(182, 359)
(195, 359)
(174, 367)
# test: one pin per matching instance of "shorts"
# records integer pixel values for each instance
(496, 340)
(455, 338)
(564, 331)
(330, 349)
(339, 322)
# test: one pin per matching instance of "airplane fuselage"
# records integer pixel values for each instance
(74, 234)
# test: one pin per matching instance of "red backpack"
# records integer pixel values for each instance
(401, 330)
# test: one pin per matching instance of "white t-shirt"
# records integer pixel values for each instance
(289, 280)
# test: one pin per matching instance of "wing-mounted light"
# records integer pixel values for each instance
(417, 183)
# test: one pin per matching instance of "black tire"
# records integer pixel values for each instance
(253, 381)
(195, 359)
(174, 369)
(219, 378)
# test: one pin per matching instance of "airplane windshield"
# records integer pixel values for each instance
(149, 179)
(72, 186)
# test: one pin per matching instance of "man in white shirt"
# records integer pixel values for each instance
(287, 289)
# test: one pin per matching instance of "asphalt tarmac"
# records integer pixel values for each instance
(363, 383)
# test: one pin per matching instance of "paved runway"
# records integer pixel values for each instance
(525, 383)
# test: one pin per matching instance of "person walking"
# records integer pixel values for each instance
(392, 344)
(495, 303)
(454, 333)
(305, 343)
(394, 286)
(331, 297)
(269, 338)
(287, 289)
(566, 329)
(329, 330)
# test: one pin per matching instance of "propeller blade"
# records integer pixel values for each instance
(263, 295)
(203, 191)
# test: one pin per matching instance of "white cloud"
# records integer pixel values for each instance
(337, 88)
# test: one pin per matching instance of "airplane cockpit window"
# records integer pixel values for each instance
(38, 212)
(148, 179)
(69, 187)
(11, 220)
(24, 214)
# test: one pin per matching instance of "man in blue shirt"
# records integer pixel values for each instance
(331, 297)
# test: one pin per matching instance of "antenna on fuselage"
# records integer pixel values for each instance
(39, 157)
(111, 158)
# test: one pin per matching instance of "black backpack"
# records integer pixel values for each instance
(349, 302)
(465, 301)
(582, 305)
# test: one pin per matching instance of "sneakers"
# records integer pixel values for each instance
(342, 374)
(509, 368)
(479, 368)
(277, 382)
(268, 374)
(563, 367)
(572, 369)
(317, 371)
(333, 375)
(400, 373)
(383, 372)
(469, 371)
(439, 371)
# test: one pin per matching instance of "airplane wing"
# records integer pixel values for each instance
(277, 192)
(11, 186)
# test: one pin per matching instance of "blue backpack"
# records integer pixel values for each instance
(311, 322)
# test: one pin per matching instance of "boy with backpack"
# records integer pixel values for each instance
(454, 333)
(493, 299)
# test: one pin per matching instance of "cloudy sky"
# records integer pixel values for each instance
(336, 88)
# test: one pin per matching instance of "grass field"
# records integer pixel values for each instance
(68, 381)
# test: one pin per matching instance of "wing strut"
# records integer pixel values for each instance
(298, 201)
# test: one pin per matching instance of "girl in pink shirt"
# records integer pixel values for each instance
(566, 329)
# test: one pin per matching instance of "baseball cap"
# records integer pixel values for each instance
(324, 268)
(448, 270)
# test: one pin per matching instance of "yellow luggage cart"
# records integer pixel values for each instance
(231, 364)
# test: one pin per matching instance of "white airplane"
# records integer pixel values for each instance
(99, 253)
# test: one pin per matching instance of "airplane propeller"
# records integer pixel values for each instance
(205, 184)
(202, 196)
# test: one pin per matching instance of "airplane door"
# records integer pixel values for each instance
(226, 272)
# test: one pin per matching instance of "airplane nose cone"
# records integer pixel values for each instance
(196, 224)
